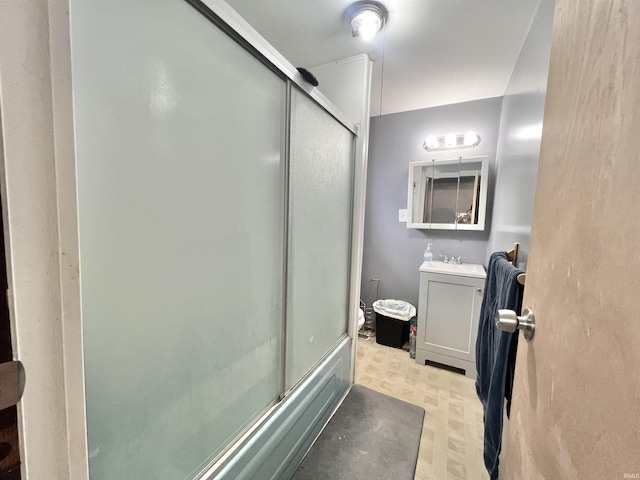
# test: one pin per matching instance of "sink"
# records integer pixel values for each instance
(464, 270)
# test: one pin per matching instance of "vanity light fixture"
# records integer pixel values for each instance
(451, 141)
(366, 18)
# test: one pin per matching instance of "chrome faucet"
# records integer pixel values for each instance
(452, 260)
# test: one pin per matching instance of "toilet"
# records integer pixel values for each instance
(360, 318)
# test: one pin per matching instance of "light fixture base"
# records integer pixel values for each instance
(463, 140)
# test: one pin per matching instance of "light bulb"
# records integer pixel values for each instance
(470, 138)
(431, 141)
(450, 140)
(367, 23)
(367, 31)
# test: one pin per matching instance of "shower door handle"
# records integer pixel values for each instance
(509, 321)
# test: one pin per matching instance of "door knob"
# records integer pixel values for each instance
(508, 321)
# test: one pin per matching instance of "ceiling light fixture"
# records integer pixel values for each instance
(451, 141)
(367, 19)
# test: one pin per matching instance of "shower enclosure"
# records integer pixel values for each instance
(214, 202)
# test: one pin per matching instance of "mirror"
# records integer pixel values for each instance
(448, 194)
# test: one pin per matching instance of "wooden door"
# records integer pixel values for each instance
(576, 403)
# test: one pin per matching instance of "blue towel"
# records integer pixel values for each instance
(495, 353)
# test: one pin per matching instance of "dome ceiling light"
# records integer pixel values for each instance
(367, 19)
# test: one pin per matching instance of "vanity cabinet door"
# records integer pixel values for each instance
(448, 315)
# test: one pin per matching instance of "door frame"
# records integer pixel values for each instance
(42, 257)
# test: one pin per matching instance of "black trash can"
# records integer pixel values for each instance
(392, 322)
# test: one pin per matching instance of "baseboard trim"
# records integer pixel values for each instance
(468, 368)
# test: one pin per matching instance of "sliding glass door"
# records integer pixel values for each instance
(214, 210)
(181, 207)
(321, 178)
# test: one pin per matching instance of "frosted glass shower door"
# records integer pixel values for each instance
(320, 203)
(180, 177)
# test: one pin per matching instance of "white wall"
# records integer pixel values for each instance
(347, 84)
(392, 252)
(519, 139)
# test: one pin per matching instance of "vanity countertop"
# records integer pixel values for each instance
(464, 270)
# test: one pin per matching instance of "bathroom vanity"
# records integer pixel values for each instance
(448, 314)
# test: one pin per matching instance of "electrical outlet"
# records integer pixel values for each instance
(402, 215)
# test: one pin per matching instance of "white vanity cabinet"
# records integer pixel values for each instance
(448, 314)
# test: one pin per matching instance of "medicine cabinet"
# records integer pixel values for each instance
(448, 194)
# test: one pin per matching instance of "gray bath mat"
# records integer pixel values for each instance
(371, 436)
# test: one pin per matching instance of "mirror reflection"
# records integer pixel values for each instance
(443, 192)
(469, 193)
(448, 194)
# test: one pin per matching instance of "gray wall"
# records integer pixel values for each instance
(519, 143)
(392, 252)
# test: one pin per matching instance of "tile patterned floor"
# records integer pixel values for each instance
(451, 443)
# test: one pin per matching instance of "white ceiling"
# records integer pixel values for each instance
(436, 52)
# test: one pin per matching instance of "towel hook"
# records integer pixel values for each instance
(509, 321)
